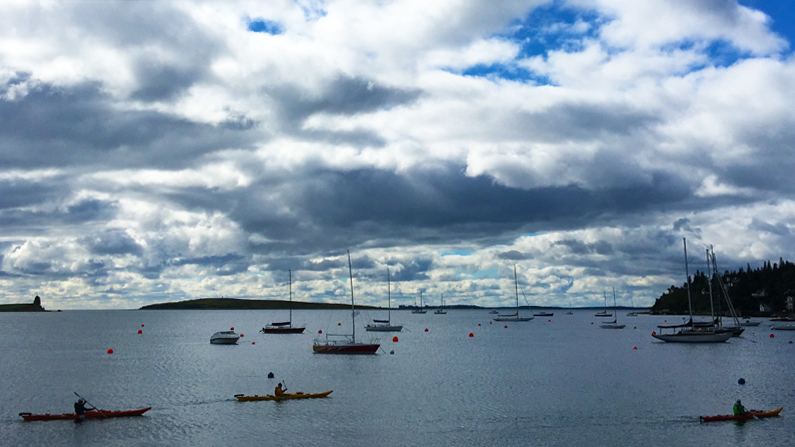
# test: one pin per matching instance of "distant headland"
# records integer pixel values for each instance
(240, 304)
(34, 307)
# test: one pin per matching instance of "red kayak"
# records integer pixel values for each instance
(736, 417)
(93, 414)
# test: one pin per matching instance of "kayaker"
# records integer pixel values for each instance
(279, 391)
(80, 407)
(739, 409)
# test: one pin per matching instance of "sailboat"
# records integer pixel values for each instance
(569, 312)
(285, 327)
(632, 313)
(348, 344)
(421, 309)
(738, 328)
(690, 332)
(613, 324)
(515, 316)
(440, 310)
(385, 325)
(603, 313)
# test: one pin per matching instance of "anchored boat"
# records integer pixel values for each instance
(347, 344)
(285, 327)
(514, 316)
(93, 414)
(286, 396)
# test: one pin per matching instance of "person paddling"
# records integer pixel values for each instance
(739, 409)
(80, 407)
(279, 391)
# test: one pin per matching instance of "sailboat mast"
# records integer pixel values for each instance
(687, 281)
(615, 309)
(353, 307)
(711, 300)
(290, 288)
(389, 297)
(516, 289)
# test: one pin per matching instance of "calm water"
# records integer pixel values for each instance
(560, 383)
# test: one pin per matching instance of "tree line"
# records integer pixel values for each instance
(769, 285)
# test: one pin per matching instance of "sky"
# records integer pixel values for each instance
(158, 151)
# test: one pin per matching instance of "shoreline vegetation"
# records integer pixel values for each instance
(22, 307)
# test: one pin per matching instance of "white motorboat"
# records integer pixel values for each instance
(224, 338)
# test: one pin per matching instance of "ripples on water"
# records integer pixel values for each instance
(559, 383)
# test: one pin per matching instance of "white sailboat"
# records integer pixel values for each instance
(385, 325)
(440, 310)
(690, 332)
(421, 309)
(347, 344)
(514, 316)
(613, 324)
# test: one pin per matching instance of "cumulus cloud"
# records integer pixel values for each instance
(156, 151)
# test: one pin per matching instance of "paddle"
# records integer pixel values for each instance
(95, 407)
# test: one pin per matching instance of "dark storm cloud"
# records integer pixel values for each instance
(580, 247)
(112, 242)
(225, 265)
(415, 270)
(578, 121)
(173, 51)
(79, 127)
(779, 229)
(89, 210)
(512, 255)
(332, 210)
(343, 95)
(24, 193)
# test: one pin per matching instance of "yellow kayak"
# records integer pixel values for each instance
(286, 396)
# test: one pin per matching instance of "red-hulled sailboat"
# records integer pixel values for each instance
(345, 343)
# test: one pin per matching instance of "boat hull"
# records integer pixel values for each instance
(739, 417)
(87, 415)
(613, 326)
(283, 330)
(358, 348)
(288, 396)
(544, 314)
(693, 338)
(383, 328)
(783, 327)
(224, 341)
(513, 318)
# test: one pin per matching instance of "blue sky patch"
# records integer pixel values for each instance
(265, 26)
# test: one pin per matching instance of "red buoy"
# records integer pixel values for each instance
(506, 326)
(232, 328)
(110, 351)
(319, 332)
(790, 342)
(478, 324)
(592, 322)
(491, 322)
(142, 325)
(339, 324)
(634, 327)
(549, 321)
(395, 339)
(241, 335)
(471, 335)
(252, 343)
(426, 329)
(653, 332)
(140, 331)
(772, 336)
(634, 347)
